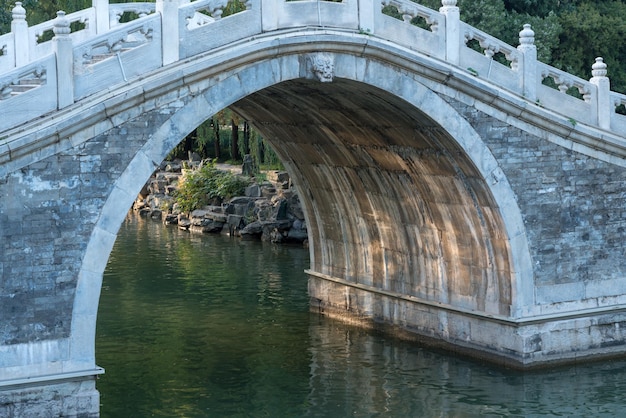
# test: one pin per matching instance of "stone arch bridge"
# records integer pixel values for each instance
(449, 196)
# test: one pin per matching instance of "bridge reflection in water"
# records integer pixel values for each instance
(209, 326)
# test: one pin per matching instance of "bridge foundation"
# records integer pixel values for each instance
(524, 344)
(75, 397)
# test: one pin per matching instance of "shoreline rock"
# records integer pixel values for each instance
(269, 210)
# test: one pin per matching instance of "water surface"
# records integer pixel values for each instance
(209, 326)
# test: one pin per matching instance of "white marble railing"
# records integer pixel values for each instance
(117, 10)
(84, 18)
(103, 52)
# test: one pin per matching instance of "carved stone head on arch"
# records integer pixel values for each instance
(322, 65)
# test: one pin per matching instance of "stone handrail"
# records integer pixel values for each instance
(410, 11)
(116, 10)
(202, 28)
(293, 14)
(7, 52)
(483, 65)
(23, 107)
(85, 18)
(171, 30)
(428, 41)
(117, 56)
(578, 102)
(618, 124)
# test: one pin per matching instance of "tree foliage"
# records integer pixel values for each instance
(569, 34)
(198, 187)
(594, 29)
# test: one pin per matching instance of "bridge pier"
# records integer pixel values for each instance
(72, 397)
(524, 344)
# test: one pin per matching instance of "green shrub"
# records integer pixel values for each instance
(198, 187)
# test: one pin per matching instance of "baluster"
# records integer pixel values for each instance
(170, 31)
(603, 93)
(19, 27)
(528, 76)
(270, 12)
(453, 30)
(65, 60)
(102, 15)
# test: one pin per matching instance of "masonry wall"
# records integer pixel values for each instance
(47, 212)
(574, 211)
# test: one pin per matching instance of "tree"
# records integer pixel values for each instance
(541, 8)
(216, 133)
(246, 137)
(594, 29)
(234, 138)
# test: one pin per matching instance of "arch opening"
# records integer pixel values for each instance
(392, 200)
(392, 179)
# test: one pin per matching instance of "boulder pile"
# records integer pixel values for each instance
(269, 210)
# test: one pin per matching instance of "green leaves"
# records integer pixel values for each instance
(594, 29)
(198, 187)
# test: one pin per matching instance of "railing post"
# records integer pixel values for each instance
(453, 30)
(19, 27)
(528, 74)
(269, 15)
(366, 14)
(603, 93)
(65, 60)
(102, 15)
(170, 45)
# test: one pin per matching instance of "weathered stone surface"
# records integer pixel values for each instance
(420, 184)
(253, 191)
(72, 400)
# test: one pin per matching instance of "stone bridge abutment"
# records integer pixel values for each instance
(436, 204)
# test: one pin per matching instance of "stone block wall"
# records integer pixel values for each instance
(574, 210)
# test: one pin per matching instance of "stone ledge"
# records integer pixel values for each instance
(49, 379)
(526, 343)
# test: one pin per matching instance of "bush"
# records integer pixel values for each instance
(199, 187)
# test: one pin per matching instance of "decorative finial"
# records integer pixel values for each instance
(61, 24)
(527, 35)
(448, 3)
(19, 13)
(598, 69)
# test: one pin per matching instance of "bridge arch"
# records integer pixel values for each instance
(373, 196)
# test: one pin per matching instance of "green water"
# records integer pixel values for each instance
(208, 326)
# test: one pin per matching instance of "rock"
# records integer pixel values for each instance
(253, 191)
(248, 167)
(239, 200)
(217, 217)
(267, 191)
(272, 209)
(297, 235)
(283, 179)
(194, 157)
(198, 213)
(298, 224)
(205, 226)
(252, 230)
(282, 176)
(276, 236)
(281, 212)
(171, 219)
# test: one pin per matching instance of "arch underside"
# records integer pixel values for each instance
(392, 201)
